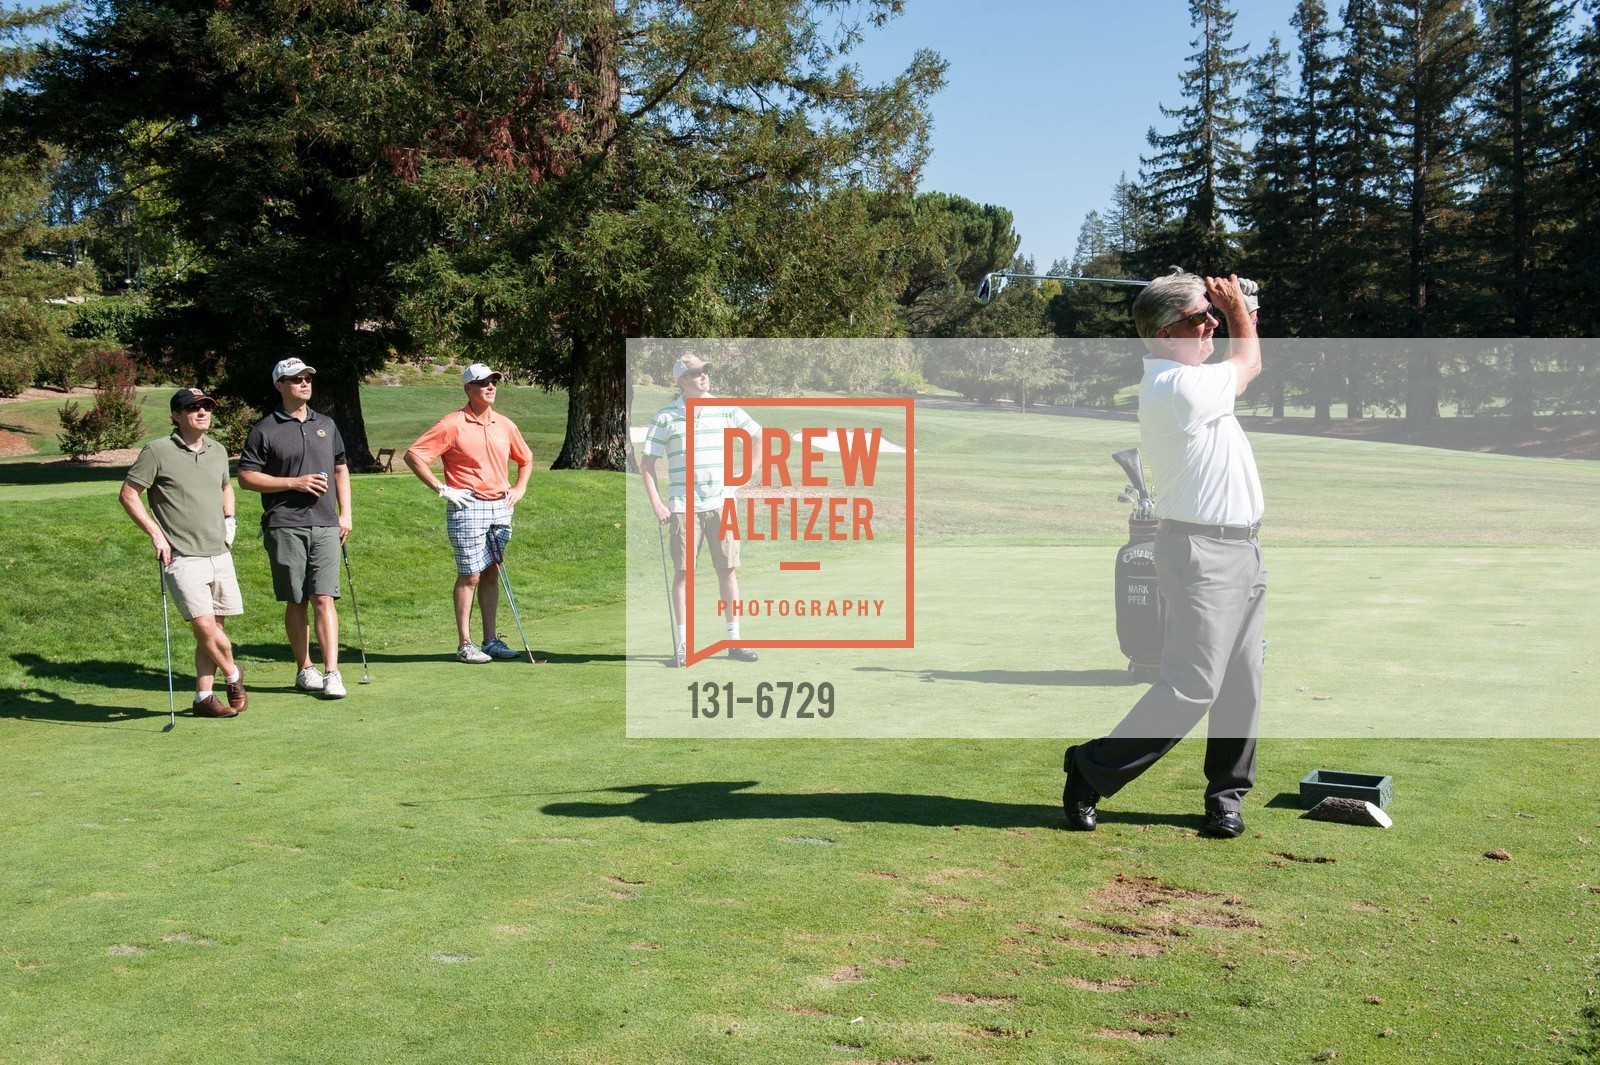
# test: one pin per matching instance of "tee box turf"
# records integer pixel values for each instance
(1321, 784)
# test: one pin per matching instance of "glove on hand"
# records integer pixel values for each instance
(1251, 293)
(458, 498)
(230, 526)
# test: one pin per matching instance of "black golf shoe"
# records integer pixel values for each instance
(1223, 824)
(1077, 797)
(743, 654)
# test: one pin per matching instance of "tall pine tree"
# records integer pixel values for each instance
(1192, 180)
(1434, 46)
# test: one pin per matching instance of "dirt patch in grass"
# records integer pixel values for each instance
(807, 1011)
(1161, 910)
(1305, 859)
(1115, 984)
(1114, 948)
(1135, 1035)
(119, 457)
(990, 1032)
(967, 999)
(846, 974)
(13, 444)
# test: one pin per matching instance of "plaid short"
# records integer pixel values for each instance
(469, 528)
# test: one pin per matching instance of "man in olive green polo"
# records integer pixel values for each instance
(191, 498)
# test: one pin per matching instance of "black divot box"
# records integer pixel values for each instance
(1322, 784)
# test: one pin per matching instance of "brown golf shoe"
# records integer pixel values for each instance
(211, 706)
(238, 698)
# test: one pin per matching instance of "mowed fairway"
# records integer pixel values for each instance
(474, 864)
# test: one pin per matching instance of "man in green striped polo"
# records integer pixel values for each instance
(695, 521)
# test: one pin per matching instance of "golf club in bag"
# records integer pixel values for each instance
(505, 578)
(166, 627)
(1141, 614)
(366, 677)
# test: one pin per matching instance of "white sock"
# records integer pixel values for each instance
(682, 634)
(200, 697)
(233, 678)
(733, 628)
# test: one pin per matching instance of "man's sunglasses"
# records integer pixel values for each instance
(487, 382)
(206, 406)
(303, 379)
(1195, 320)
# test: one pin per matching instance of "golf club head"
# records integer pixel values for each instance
(991, 286)
(169, 726)
(1129, 461)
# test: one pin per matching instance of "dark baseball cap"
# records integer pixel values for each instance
(186, 397)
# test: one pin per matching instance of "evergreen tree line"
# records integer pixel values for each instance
(1415, 169)
(526, 183)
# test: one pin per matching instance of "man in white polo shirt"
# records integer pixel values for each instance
(1208, 555)
(697, 523)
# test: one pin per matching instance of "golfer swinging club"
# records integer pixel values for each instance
(1207, 551)
(693, 527)
(290, 457)
(475, 446)
(192, 529)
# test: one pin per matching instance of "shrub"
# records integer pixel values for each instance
(113, 421)
(58, 365)
(16, 372)
(230, 425)
(115, 320)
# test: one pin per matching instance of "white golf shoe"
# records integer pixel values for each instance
(498, 648)
(332, 685)
(469, 652)
(308, 680)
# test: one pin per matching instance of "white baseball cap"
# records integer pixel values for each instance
(689, 364)
(290, 367)
(478, 372)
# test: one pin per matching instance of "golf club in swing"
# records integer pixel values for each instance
(995, 283)
(366, 676)
(505, 579)
(166, 627)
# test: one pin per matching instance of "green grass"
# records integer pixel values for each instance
(476, 865)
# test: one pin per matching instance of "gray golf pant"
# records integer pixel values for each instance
(1216, 596)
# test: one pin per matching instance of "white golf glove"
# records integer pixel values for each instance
(1251, 293)
(456, 497)
(230, 526)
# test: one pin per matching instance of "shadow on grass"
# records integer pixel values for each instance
(37, 473)
(1072, 678)
(108, 674)
(714, 800)
(35, 704)
(350, 655)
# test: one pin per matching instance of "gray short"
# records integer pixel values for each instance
(305, 562)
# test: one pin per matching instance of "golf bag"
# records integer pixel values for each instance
(1141, 614)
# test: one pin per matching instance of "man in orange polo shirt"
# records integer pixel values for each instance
(475, 446)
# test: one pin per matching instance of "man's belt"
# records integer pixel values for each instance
(1215, 532)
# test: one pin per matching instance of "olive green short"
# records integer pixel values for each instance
(724, 553)
(305, 562)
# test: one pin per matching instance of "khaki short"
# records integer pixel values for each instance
(724, 553)
(201, 586)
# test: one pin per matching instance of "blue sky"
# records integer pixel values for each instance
(1046, 102)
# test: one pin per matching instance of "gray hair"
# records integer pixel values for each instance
(1163, 299)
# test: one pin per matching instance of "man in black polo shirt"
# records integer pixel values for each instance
(289, 458)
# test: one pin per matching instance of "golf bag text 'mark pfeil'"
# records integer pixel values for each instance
(1141, 615)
